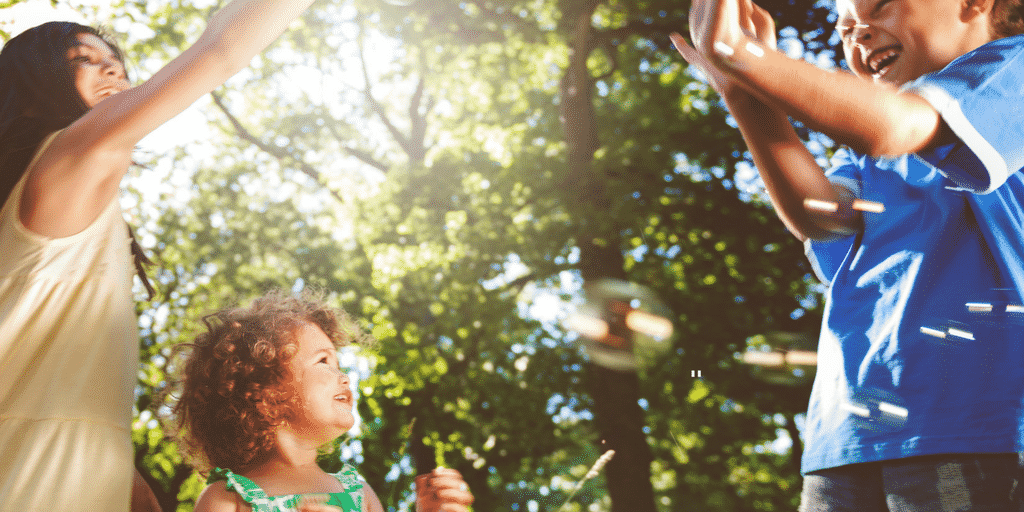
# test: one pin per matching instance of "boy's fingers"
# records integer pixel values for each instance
(688, 52)
(746, 15)
(691, 55)
(764, 26)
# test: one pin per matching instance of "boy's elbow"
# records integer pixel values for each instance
(823, 227)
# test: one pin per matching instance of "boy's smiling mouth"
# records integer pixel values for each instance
(880, 61)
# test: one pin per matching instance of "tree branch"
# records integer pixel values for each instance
(375, 105)
(361, 155)
(275, 151)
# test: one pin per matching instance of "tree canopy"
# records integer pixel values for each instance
(454, 174)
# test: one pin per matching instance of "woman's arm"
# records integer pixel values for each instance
(79, 174)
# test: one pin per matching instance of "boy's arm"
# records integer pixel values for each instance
(789, 171)
(871, 118)
(791, 174)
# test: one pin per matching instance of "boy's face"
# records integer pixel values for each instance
(896, 41)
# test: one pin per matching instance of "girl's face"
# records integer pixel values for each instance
(325, 398)
(896, 41)
(97, 70)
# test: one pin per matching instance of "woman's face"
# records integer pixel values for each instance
(98, 72)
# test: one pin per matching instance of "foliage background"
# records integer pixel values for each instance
(450, 172)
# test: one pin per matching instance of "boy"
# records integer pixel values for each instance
(917, 403)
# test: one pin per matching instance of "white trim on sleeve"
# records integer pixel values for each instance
(949, 108)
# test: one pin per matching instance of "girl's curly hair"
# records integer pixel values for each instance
(235, 382)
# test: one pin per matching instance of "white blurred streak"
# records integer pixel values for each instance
(856, 409)
(960, 333)
(651, 325)
(980, 307)
(821, 206)
(593, 328)
(867, 206)
(764, 358)
(895, 410)
(802, 357)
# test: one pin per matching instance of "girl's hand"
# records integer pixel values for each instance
(316, 503)
(442, 490)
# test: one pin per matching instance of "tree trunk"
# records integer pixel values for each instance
(618, 416)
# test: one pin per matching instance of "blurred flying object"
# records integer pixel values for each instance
(833, 207)
(623, 325)
(821, 206)
(948, 331)
(875, 409)
(979, 307)
(867, 206)
(781, 358)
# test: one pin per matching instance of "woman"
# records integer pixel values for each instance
(68, 339)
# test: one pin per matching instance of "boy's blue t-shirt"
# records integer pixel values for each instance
(922, 344)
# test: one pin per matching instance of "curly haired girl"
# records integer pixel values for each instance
(262, 391)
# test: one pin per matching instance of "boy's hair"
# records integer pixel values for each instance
(235, 382)
(1007, 18)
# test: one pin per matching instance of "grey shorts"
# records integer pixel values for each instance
(932, 483)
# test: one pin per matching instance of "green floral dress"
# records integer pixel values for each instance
(349, 500)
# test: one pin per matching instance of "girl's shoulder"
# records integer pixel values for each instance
(217, 497)
(233, 483)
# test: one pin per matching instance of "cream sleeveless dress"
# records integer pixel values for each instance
(68, 363)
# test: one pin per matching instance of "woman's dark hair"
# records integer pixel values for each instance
(38, 96)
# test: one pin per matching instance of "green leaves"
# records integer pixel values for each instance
(428, 190)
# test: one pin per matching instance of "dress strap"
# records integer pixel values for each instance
(352, 497)
(245, 488)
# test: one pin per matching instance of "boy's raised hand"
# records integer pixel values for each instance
(729, 22)
(719, 28)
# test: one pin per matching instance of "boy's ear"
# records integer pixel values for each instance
(974, 8)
